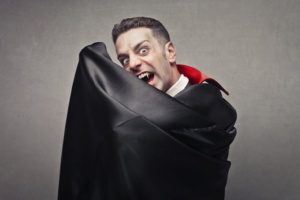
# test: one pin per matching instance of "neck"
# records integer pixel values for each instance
(175, 76)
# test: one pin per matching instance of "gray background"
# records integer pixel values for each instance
(251, 47)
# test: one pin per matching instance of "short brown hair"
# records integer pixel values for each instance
(158, 30)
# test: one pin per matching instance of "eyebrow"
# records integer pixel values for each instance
(135, 48)
(139, 44)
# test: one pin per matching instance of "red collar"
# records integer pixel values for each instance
(195, 76)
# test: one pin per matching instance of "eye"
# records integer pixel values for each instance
(125, 61)
(143, 50)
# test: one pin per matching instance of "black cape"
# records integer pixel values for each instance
(125, 139)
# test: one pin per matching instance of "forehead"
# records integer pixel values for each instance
(129, 39)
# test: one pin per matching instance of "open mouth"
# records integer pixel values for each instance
(147, 77)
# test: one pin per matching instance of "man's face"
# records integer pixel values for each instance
(141, 54)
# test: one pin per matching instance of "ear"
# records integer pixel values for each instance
(170, 52)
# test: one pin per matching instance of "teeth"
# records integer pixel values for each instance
(143, 75)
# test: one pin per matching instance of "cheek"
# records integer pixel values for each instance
(150, 60)
(158, 64)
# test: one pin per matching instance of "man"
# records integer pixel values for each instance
(126, 139)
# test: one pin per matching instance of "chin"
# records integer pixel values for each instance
(157, 87)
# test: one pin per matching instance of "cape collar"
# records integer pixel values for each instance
(196, 77)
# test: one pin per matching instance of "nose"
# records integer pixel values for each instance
(134, 63)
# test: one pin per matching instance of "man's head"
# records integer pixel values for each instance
(144, 49)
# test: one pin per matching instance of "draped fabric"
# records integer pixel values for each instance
(125, 139)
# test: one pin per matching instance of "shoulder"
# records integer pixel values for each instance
(207, 100)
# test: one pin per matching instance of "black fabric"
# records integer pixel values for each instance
(124, 139)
